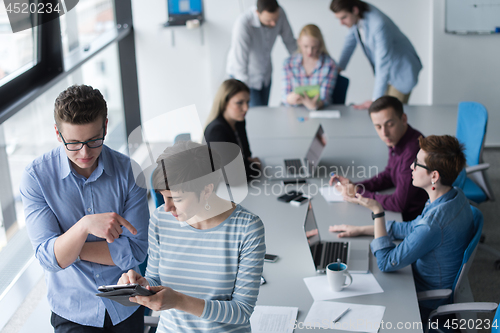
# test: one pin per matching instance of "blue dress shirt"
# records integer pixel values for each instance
(55, 197)
(434, 243)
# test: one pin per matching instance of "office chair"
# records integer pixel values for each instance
(472, 307)
(340, 90)
(472, 121)
(471, 131)
(461, 291)
(157, 197)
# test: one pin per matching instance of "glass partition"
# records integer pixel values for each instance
(30, 133)
(17, 50)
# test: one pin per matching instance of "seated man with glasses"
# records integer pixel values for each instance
(86, 217)
(391, 124)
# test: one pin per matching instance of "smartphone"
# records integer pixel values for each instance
(131, 288)
(122, 293)
(270, 257)
(117, 287)
(293, 181)
(287, 197)
(298, 200)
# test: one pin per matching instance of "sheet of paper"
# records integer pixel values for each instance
(267, 319)
(331, 194)
(362, 284)
(325, 114)
(360, 318)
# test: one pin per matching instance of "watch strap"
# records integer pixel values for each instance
(374, 216)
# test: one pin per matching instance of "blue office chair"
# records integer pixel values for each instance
(340, 90)
(461, 291)
(471, 131)
(157, 197)
(472, 121)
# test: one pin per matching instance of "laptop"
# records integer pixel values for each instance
(294, 168)
(354, 254)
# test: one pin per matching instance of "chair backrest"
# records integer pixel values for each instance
(470, 252)
(157, 197)
(460, 181)
(340, 90)
(471, 129)
(496, 322)
(182, 137)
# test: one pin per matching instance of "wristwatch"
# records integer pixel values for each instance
(374, 216)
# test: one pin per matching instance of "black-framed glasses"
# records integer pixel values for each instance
(415, 164)
(75, 146)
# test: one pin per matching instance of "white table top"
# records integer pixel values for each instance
(352, 143)
(283, 122)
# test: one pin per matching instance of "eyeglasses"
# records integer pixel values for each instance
(75, 146)
(420, 165)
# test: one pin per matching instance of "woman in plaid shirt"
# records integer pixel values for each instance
(311, 65)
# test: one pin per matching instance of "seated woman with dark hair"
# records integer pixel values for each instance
(206, 254)
(226, 122)
(434, 243)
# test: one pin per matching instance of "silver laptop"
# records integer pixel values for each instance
(282, 168)
(354, 254)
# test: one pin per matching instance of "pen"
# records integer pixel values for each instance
(341, 315)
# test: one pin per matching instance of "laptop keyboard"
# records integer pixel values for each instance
(293, 166)
(333, 251)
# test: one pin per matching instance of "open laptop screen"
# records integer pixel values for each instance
(316, 149)
(311, 228)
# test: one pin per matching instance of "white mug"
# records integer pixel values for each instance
(336, 273)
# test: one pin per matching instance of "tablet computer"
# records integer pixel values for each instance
(121, 292)
(311, 91)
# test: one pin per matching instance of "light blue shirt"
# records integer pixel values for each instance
(55, 197)
(434, 243)
(394, 59)
(221, 265)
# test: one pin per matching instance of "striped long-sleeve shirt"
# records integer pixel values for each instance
(222, 265)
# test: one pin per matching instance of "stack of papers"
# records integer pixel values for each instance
(267, 319)
(359, 318)
(325, 114)
(362, 284)
(331, 194)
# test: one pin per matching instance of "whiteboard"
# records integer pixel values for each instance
(472, 16)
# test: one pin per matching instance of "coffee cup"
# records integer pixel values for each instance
(336, 273)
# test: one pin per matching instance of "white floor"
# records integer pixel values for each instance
(33, 315)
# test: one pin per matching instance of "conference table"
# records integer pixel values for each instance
(353, 146)
(283, 122)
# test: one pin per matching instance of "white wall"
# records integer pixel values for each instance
(190, 72)
(467, 68)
